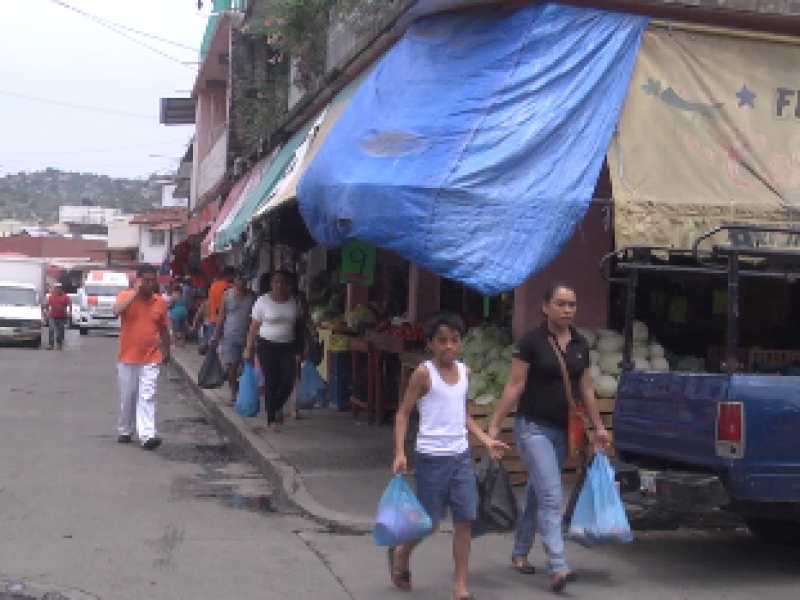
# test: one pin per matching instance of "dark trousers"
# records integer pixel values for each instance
(278, 365)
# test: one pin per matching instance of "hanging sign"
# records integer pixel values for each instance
(358, 263)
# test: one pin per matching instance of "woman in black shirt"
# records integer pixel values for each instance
(536, 383)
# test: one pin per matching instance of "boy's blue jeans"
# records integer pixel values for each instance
(543, 449)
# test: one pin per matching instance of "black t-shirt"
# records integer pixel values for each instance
(544, 399)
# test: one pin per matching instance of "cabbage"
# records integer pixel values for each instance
(610, 343)
(609, 363)
(591, 337)
(656, 351)
(594, 357)
(596, 372)
(659, 364)
(639, 331)
(604, 333)
(641, 364)
(477, 385)
(605, 386)
(507, 353)
(492, 354)
(639, 351)
(360, 314)
(484, 399)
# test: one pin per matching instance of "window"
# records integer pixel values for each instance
(158, 238)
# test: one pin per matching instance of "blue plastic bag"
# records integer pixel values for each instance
(599, 516)
(312, 391)
(401, 518)
(247, 400)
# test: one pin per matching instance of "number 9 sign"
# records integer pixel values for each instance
(358, 263)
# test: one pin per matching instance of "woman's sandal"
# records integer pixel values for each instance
(401, 579)
(561, 581)
(523, 567)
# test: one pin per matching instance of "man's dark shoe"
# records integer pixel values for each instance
(124, 439)
(152, 443)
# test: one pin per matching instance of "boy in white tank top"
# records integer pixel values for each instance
(445, 477)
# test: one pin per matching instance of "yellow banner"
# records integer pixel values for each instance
(709, 134)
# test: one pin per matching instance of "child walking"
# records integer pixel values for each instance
(445, 476)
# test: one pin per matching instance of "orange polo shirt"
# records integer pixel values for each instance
(140, 333)
(215, 294)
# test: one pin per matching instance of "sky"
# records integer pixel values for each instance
(54, 54)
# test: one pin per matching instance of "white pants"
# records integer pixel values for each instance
(137, 389)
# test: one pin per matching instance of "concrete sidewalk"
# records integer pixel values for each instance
(333, 467)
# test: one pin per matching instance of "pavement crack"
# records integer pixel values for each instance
(324, 560)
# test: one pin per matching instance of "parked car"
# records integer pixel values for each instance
(75, 312)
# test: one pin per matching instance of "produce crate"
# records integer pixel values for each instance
(512, 461)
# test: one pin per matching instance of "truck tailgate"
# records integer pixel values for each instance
(669, 415)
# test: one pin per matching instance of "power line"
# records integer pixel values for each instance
(78, 152)
(115, 29)
(77, 106)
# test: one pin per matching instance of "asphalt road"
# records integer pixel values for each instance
(85, 517)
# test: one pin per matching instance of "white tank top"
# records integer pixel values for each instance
(443, 415)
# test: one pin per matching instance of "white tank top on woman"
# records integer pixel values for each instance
(277, 318)
(443, 415)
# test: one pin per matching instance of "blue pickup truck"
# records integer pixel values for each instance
(689, 442)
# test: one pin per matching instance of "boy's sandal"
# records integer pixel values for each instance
(561, 581)
(401, 579)
(524, 567)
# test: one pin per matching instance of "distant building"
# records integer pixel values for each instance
(87, 215)
(168, 198)
(11, 227)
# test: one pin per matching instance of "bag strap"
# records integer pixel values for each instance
(564, 373)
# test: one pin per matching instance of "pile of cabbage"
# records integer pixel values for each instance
(487, 351)
(606, 354)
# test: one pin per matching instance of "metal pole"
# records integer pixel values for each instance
(733, 313)
(630, 315)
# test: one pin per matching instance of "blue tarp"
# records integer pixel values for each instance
(474, 147)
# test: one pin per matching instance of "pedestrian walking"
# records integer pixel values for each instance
(233, 323)
(303, 339)
(215, 294)
(272, 336)
(59, 307)
(536, 385)
(144, 344)
(445, 476)
(178, 315)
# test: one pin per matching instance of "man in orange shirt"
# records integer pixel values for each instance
(144, 344)
(215, 294)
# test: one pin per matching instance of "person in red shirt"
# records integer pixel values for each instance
(144, 343)
(58, 310)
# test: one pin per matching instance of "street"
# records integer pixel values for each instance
(85, 517)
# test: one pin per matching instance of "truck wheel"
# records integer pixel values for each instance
(775, 531)
(84, 331)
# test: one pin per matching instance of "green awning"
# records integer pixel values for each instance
(269, 180)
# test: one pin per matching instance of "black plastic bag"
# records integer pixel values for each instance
(497, 505)
(315, 351)
(212, 374)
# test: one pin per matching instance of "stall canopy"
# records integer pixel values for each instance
(474, 147)
(272, 175)
(232, 201)
(710, 134)
(286, 190)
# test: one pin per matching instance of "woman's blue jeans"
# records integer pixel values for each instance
(543, 449)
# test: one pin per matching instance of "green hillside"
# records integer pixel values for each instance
(37, 196)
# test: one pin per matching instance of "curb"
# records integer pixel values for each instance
(267, 459)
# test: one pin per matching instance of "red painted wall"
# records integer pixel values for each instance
(577, 265)
(54, 247)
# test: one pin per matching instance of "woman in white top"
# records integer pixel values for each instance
(272, 333)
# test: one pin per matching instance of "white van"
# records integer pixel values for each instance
(97, 298)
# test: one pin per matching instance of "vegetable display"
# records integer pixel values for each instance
(487, 351)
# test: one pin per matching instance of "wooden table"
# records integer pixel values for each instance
(383, 346)
(360, 347)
